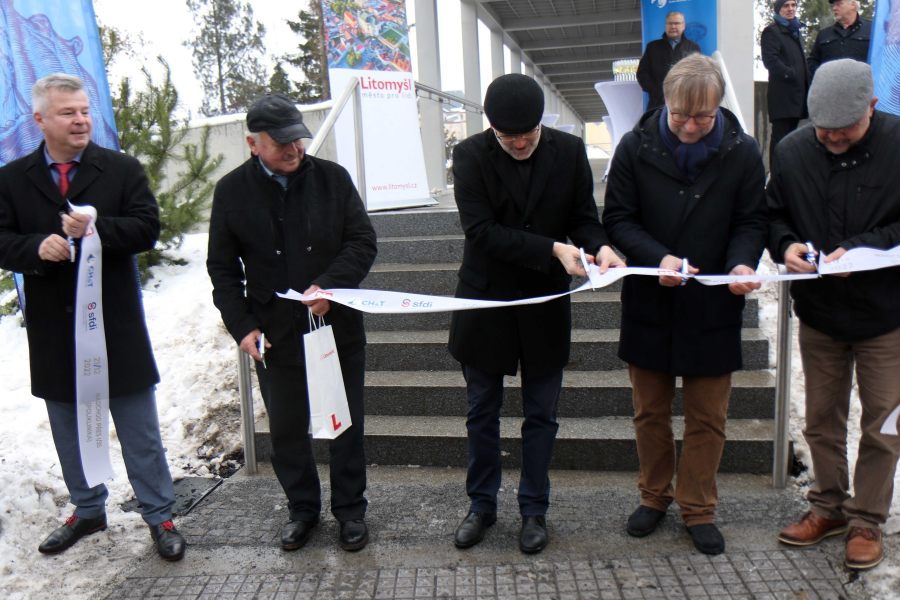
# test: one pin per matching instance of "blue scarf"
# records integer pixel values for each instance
(794, 25)
(692, 158)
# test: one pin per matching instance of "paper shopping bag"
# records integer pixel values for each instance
(329, 415)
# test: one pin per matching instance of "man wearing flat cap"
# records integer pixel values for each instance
(286, 220)
(834, 183)
(521, 191)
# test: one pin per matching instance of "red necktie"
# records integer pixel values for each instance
(64, 176)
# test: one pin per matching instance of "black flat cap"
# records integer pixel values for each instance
(278, 116)
(514, 103)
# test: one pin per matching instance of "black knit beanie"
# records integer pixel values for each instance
(514, 103)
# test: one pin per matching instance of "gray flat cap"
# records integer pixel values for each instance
(840, 94)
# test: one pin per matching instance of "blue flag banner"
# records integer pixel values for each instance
(884, 55)
(37, 38)
(699, 20)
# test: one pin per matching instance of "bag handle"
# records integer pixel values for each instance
(313, 325)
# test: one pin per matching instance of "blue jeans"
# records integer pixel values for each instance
(540, 397)
(137, 426)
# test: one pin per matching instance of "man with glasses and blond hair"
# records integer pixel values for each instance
(685, 185)
(847, 38)
(660, 55)
(521, 190)
(834, 183)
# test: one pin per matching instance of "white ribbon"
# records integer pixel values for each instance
(862, 259)
(91, 367)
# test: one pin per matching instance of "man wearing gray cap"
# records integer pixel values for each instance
(521, 190)
(286, 220)
(834, 184)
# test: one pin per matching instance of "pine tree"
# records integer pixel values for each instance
(311, 57)
(149, 131)
(279, 83)
(228, 52)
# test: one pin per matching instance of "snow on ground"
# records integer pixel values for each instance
(884, 580)
(199, 417)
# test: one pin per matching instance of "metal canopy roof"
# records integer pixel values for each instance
(572, 41)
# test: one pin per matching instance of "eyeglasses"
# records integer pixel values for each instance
(700, 120)
(508, 139)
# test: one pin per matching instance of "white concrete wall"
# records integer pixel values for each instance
(735, 32)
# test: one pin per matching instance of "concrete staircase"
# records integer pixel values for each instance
(415, 393)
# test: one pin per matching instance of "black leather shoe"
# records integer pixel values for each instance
(354, 534)
(296, 533)
(169, 543)
(707, 538)
(534, 536)
(74, 529)
(644, 520)
(472, 529)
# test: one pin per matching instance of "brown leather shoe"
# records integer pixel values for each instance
(811, 529)
(863, 547)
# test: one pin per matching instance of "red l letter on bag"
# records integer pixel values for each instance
(335, 423)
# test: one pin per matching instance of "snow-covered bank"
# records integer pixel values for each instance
(199, 418)
(884, 580)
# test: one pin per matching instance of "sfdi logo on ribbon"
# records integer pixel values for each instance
(91, 377)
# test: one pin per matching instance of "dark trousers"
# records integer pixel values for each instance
(540, 396)
(780, 129)
(137, 428)
(286, 398)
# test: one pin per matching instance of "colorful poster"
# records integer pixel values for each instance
(884, 55)
(699, 21)
(369, 39)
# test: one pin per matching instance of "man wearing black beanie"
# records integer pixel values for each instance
(521, 191)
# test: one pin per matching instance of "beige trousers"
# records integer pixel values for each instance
(705, 410)
(828, 367)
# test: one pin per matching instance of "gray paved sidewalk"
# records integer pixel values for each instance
(234, 554)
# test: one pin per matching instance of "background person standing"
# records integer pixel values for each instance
(848, 38)
(783, 56)
(660, 55)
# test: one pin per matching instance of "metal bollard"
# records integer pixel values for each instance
(782, 385)
(248, 425)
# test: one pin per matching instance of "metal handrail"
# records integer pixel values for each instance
(781, 434)
(248, 425)
(730, 96)
(423, 91)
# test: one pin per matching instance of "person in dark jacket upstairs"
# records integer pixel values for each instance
(834, 183)
(686, 182)
(287, 220)
(783, 56)
(660, 55)
(848, 38)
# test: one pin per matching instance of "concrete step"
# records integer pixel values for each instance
(601, 444)
(416, 222)
(585, 394)
(597, 310)
(591, 350)
(435, 279)
(420, 249)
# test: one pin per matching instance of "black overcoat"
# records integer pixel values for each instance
(315, 232)
(510, 231)
(789, 78)
(127, 223)
(656, 62)
(718, 222)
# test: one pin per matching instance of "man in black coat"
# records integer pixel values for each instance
(521, 190)
(287, 220)
(34, 224)
(686, 182)
(782, 54)
(660, 55)
(834, 183)
(848, 38)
